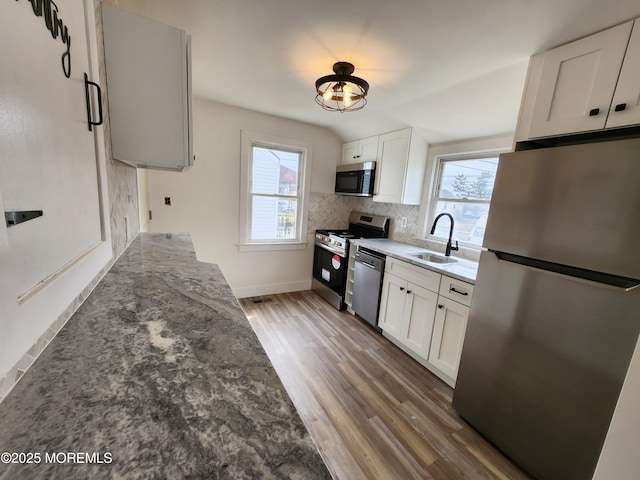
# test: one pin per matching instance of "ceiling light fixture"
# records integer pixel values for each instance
(341, 92)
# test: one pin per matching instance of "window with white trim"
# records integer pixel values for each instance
(463, 189)
(275, 186)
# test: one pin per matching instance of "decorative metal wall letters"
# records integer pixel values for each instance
(49, 10)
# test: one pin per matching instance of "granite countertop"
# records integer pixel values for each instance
(463, 269)
(158, 375)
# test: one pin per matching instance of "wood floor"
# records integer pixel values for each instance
(373, 412)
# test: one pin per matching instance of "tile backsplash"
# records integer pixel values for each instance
(328, 210)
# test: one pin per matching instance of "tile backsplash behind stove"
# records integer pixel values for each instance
(328, 210)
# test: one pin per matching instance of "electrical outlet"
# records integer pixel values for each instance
(403, 222)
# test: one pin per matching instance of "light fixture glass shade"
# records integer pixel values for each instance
(341, 92)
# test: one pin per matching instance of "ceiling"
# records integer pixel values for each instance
(454, 69)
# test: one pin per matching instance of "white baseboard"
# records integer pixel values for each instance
(270, 289)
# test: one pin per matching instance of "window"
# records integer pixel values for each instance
(273, 193)
(463, 189)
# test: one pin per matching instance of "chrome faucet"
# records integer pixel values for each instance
(450, 247)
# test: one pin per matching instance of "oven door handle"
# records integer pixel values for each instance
(331, 249)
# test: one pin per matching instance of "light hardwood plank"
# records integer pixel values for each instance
(373, 412)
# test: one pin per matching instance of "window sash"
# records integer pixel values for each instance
(297, 197)
(292, 200)
(467, 234)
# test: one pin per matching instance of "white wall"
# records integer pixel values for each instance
(619, 458)
(205, 199)
(46, 311)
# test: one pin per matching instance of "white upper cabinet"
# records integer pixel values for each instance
(587, 85)
(625, 108)
(401, 162)
(358, 151)
(149, 91)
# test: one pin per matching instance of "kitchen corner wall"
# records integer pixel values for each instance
(205, 198)
(123, 219)
(121, 178)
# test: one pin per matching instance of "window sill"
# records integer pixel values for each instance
(266, 247)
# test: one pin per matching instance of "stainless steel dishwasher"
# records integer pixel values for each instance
(367, 285)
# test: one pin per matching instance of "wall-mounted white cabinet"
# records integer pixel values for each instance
(626, 99)
(148, 68)
(401, 159)
(401, 162)
(425, 314)
(587, 85)
(358, 151)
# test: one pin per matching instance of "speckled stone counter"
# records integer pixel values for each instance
(464, 270)
(157, 375)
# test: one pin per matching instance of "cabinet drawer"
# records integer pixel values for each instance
(456, 290)
(420, 276)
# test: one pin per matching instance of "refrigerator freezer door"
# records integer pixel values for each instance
(544, 359)
(577, 205)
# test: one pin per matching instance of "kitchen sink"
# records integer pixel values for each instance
(433, 257)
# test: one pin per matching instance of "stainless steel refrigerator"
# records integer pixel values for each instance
(556, 310)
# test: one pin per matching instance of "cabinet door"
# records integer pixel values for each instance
(49, 161)
(149, 90)
(448, 336)
(419, 313)
(48, 158)
(358, 151)
(368, 149)
(393, 151)
(627, 97)
(394, 295)
(350, 152)
(577, 83)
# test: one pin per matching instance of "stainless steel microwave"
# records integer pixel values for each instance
(356, 179)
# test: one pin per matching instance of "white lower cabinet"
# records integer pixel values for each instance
(392, 304)
(448, 335)
(406, 312)
(425, 314)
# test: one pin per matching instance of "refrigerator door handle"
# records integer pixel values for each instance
(579, 274)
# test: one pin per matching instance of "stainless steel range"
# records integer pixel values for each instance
(331, 254)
